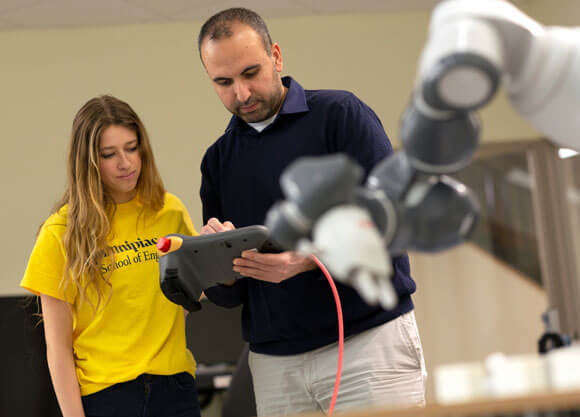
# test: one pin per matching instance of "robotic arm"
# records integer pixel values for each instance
(408, 201)
(473, 46)
(354, 229)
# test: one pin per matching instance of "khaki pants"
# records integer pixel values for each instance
(381, 366)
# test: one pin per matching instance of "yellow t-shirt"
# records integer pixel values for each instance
(137, 330)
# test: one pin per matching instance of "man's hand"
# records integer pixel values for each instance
(272, 267)
(215, 226)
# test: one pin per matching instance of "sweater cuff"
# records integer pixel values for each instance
(225, 296)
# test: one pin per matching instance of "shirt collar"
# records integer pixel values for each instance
(294, 102)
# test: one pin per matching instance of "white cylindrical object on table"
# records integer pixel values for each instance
(563, 368)
(460, 382)
(509, 376)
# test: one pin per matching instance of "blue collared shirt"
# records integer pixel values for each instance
(240, 174)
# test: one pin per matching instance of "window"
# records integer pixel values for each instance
(503, 185)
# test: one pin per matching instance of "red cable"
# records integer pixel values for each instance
(340, 331)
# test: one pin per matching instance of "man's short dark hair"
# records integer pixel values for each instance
(219, 26)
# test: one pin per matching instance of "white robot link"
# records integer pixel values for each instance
(408, 202)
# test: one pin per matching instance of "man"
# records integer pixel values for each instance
(289, 317)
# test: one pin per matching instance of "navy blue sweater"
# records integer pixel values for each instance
(240, 174)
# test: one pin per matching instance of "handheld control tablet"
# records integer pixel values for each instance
(190, 264)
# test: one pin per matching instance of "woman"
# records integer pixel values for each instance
(115, 345)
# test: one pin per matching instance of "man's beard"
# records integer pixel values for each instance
(266, 108)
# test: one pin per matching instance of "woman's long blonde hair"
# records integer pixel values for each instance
(89, 207)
